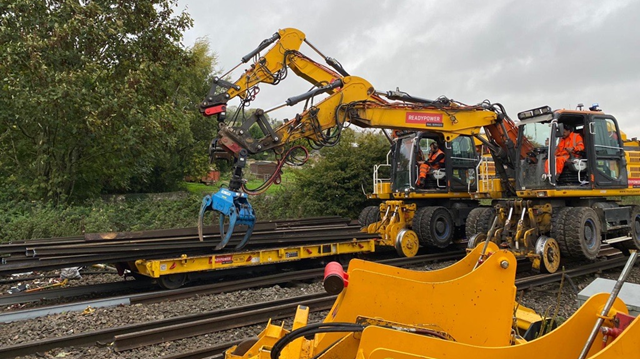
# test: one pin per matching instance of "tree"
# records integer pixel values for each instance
(98, 97)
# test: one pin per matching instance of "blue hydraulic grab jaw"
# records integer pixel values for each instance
(232, 204)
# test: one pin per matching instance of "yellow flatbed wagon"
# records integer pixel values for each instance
(172, 272)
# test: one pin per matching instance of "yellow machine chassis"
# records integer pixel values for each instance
(449, 301)
(184, 264)
(579, 193)
(470, 309)
(567, 341)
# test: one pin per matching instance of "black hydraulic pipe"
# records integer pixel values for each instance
(402, 96)
(263, 45)
(305, 96)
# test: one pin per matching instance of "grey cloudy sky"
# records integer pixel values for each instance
(523, 54)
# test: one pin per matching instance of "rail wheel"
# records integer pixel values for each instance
(582, 233)
(479, 221)
(476, 239)
(549, 251)
(558, 219)
(244, 346)
(172, 281)
(634, 243)
(434, 226)
(407, 243)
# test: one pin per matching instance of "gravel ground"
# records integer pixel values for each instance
(541, 299)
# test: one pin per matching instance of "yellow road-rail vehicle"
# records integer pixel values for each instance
(539, 213)
(442, 204)
(574, 212)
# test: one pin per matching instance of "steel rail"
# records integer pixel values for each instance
(246, 317)
(299, 236)
(17, 247)
(63, 256)
(108, 335)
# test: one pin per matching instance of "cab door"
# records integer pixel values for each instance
(607, 159)
(462, 162)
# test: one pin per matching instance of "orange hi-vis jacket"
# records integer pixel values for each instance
(574, 141)
(435, 161)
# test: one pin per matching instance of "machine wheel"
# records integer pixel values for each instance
(407, 243)
(582, 233)
(634, 231)
(476, 239)
(368, 214)
(416, 224)
(479, 221)
(434, 226)
(558, 218)
(172, 281)
(549, 251)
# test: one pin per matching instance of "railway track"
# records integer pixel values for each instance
(133, 336)
(154, 296)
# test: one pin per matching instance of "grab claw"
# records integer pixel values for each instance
(233, 205)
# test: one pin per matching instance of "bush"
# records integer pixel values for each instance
(30, 220)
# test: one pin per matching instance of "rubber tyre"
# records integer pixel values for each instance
(634, 232)
(364, 215)
(362, 218)
(434, 226)
(373, 216)
(582, 233)
(558, 218)
(416, 224)
(479, 221)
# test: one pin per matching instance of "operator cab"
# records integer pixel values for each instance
(457, 175)
(601, 164)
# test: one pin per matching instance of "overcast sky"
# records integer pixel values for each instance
(521, 53)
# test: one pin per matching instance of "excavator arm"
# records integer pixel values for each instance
(271, 68)
(349, 99)
(357, 102)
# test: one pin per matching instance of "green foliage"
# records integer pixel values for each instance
(26, 220)
(332, 183)
(98, 97)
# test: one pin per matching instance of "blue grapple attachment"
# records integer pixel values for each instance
(232, 204)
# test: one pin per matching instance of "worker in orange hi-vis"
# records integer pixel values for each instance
(434, 162)
(568, 147)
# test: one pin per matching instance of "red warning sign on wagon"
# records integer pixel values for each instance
(224, 259)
